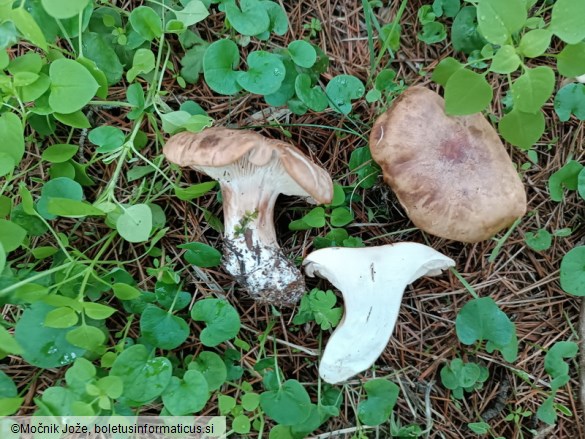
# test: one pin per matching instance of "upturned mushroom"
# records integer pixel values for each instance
(451, 174)
(372, 281)
(252, 171)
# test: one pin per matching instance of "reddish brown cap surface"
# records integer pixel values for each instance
(451, 174)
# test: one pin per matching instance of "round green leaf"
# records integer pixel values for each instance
(63, 317)
(162, 329)
(59, 153)
(222, 319)
(539, 241)
(341, 216)
(535, 42)
(107, 138)
(86, 337)
(144, 377)
(201, 254)
(72, 86)
(382, 395)
(289, 405)
(567, 20)
(570, 100)
(7, 164)
(573, 271)
(251, 18)
(11, 133)
(467, 92)
(61, 187)
(481, 319)
(265, 73)
(302, 53)
(194, 12)
(506, 60)
(11, 235)
(522, 129)
(313, 97)
(186, 396)
(62, 9)
(125, 292)
(464, 34)
(445, 70)
(499, 19)
(146, 22)
(341, 90)
(135, 224)
(43, 346)
(241, 424)
(219, 62)
(212, 367)
(533, 88)
(571, 60)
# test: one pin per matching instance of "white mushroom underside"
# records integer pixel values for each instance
(372, 281)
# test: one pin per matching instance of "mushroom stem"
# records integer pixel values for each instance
(372, 281)
(251, 252)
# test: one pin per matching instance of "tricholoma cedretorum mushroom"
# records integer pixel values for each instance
(372, 281)
(252, 171)
(451, 174)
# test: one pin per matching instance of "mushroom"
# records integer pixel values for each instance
(372, 281)
(451, 174)
(252, 171)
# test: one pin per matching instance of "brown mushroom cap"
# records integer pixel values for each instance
(451, 174)
(218, 147)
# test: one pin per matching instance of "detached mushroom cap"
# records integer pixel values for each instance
(218, 147)
(451, 174)
(372, 281)
(252, 171)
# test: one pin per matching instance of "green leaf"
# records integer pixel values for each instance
(2, 258)
(382, 396)
(481, 319)
(554, 364)
(107, 138)
(533, 88)
(61, 187)
(315, 217)
(535, 42)
(241, 424)
(522, 129)
(464, 34)
(277, 16)
(566, 177)
(222, 319)
(48, 347)
(570, 100)
(445, 69)
(499, 19)
(289, 405)
(479, 427)
(341, 90)
(144, 377)
(146, 22)
(302, 53)
(194, 12)
(313, 97)
(28, 27)
(142, 63)
(98, 49)
(181, 120)
(571, 60)
(76, 119)
(97, 74)
(546, 412)
(366, 169)
(432, 32)
(8, 343)
(11, 133)
(505, 61)
(62, 9)
(567, 20)
(219, 62)
(580, 185)
(573, 272)
(86, 337)
(539, 241)
(59, 153)
(97, 311)
(125, 291)
(467, 92)
(7, 164)
(72, 86)
(11, 235)
(63, 317)
(162, 329)
(265, 73)
(212, 367)
(250, 401)
(135, 224)
(194, 191)
(186, 396)
(72, 208)
(251, 18)
(446, 8)
(201, 254)
(341, 216)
